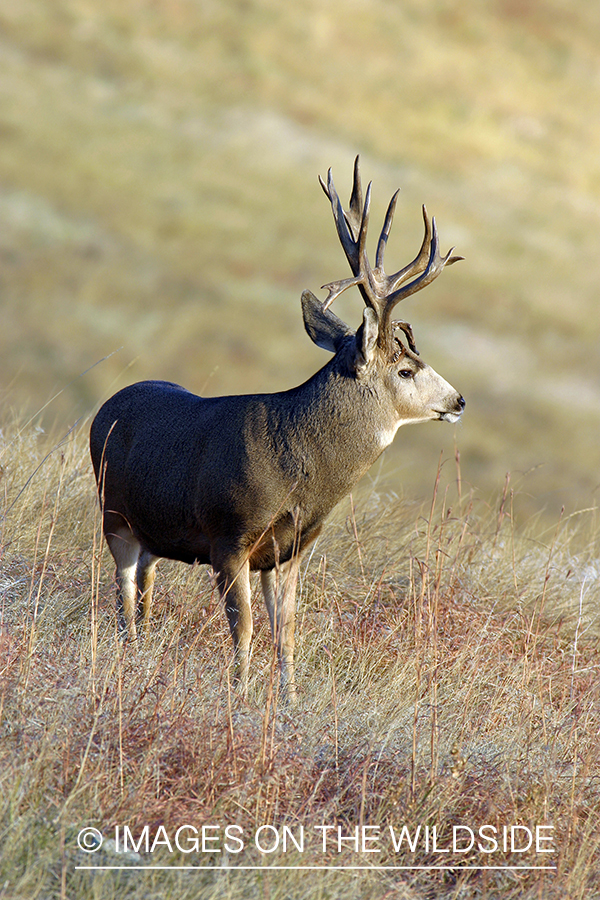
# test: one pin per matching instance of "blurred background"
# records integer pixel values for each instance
(160, 212)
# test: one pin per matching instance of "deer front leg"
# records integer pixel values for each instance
(233, 580)
(279, 589)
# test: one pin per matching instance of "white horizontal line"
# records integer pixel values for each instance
(324, 868)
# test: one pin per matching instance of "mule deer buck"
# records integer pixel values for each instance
(245, 483)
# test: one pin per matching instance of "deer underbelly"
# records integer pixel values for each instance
(279, 545)
(187, 548)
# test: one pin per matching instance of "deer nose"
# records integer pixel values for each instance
(461, 403)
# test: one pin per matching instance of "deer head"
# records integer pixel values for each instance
(379, 354)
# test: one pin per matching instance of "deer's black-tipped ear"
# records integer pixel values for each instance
(323, 327)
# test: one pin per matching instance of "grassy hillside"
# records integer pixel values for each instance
(159, 202)
(448, 676)
(159, 217)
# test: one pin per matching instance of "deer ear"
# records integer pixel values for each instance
(322, 326)
(366, 339)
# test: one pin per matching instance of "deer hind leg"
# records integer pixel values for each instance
(233, 580)
(146, 570)
(125, 549)
(279, 589)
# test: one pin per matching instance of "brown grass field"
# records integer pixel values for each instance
(159, 217)
(448, 672)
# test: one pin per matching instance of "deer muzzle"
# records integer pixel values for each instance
(455, 411)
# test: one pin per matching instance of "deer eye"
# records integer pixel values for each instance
(406, 373)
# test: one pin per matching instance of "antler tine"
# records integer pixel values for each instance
(385, 231)
(408, 333)
(434, 266)
(336, 288)
(363, 262)
(420, 261)
(353, 216)
(347, 239)
(355, 210)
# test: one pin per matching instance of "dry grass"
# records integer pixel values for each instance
(156, 161)
(448, 667)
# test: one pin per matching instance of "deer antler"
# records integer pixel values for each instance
(380, 292)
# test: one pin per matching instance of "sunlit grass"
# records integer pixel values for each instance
(448, 674)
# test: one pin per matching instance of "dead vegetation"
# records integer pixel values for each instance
(448, 670)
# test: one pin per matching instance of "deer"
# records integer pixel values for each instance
(245, 483)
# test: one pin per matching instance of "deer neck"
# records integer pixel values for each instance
(339, 422)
